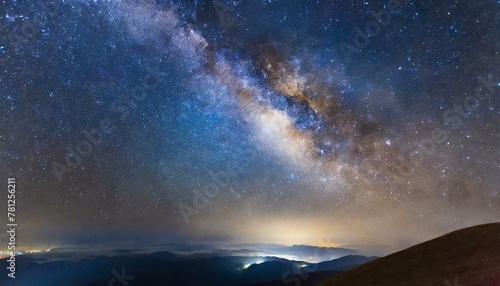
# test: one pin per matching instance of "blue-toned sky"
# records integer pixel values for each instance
(370, 125)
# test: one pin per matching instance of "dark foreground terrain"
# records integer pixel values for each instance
(466, 257)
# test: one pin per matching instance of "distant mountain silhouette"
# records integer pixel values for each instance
(318, 253)
(466, 257)
(166, 268)
(341, 264)
(315, 273)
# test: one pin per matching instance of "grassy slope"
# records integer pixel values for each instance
(472, 255)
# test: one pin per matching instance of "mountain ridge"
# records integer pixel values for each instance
(468, 257)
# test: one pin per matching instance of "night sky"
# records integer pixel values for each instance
(371, 125)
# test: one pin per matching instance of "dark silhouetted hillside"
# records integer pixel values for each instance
(466, 257)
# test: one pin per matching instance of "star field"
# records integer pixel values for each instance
(250, 121)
